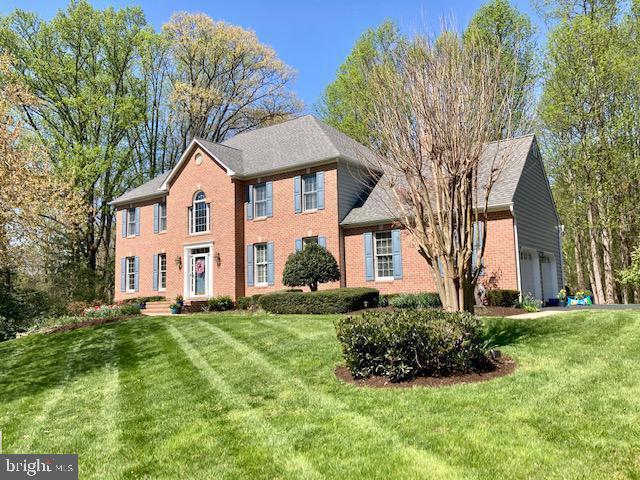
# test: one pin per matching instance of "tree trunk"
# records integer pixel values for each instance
(607, 249)
(596, 281)
(577, 251)
(625, 261)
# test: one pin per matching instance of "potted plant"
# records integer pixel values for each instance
(142, 304)
(175, 308)
(180, 301)
(562, 297)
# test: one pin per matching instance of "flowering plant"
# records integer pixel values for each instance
(562, 295)
(111, 311)
(580, 294)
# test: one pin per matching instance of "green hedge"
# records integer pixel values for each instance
(416, 300)
(403, 344)
(502, 298)
(246, 303)
(340, 300)
(218, 304)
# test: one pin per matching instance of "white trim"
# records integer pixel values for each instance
(388, 278)
(517, 252)
(174, 170)
(187, 270)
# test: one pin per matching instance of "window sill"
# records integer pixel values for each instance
(258, 219)
(311, 210)
(195, 234)
(161, 232)
(261, 285)
(384, 279)
(132, 236)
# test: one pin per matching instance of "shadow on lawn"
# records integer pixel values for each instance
(48, 361)
(505, 331)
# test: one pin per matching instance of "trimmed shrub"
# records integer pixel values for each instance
(309, 267)
(247, 303)
(502, 298)
(385, 299)
(138, 300)
(219, 304)
(340, 300)
(404, 344)
(416, 300)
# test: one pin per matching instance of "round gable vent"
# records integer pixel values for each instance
(198, 158)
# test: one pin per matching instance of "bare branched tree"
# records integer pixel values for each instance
(437, 104)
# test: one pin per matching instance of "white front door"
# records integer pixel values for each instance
(198, 272)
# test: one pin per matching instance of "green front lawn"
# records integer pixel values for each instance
(228, 396)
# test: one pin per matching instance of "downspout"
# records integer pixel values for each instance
(515, 235)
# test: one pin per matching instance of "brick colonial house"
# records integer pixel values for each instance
(225, 219)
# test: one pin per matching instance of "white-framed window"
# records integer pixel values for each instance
(162, 271)
(309, 240)
(260, 200)
(309, 192)
(199, 214)
(130, 266)
(131, 222)
(383, 245)
(162, 216)
(260, 255)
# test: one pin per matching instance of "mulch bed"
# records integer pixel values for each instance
(92, 322)
(501, 367)
(498, 311)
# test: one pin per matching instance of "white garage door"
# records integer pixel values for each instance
(530, 273)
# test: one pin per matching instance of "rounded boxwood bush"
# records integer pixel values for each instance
(404, 344)
(309, 267)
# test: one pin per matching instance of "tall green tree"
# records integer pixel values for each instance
(81, 68)
(345, 101)
(499, 26)
(590, 120)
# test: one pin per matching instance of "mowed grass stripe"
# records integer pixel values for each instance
(31, 436)
(293, 463)
(423, 462)
(165, 412)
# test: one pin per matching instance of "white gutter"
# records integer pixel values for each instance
(515, 235)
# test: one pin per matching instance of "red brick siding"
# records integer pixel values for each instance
(499, 259)
(226, 232)
(285, 225)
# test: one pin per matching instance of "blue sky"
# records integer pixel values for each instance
(314, 37)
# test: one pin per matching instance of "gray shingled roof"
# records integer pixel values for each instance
(378, 206)
(231, 157)
(146, 190)
(297, 143)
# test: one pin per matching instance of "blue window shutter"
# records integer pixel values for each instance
(298, 244)
(396, 249)
(297, 194)
(124, 222)
(322, 241)
(156, 216)
(320, 186)
(155, 272)
(123, 274)
(136, 270)
(269, 194)
(270, 269)
(477, 244)
(137, 232)
(368, 256)
(250, 265)
(250, 202)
